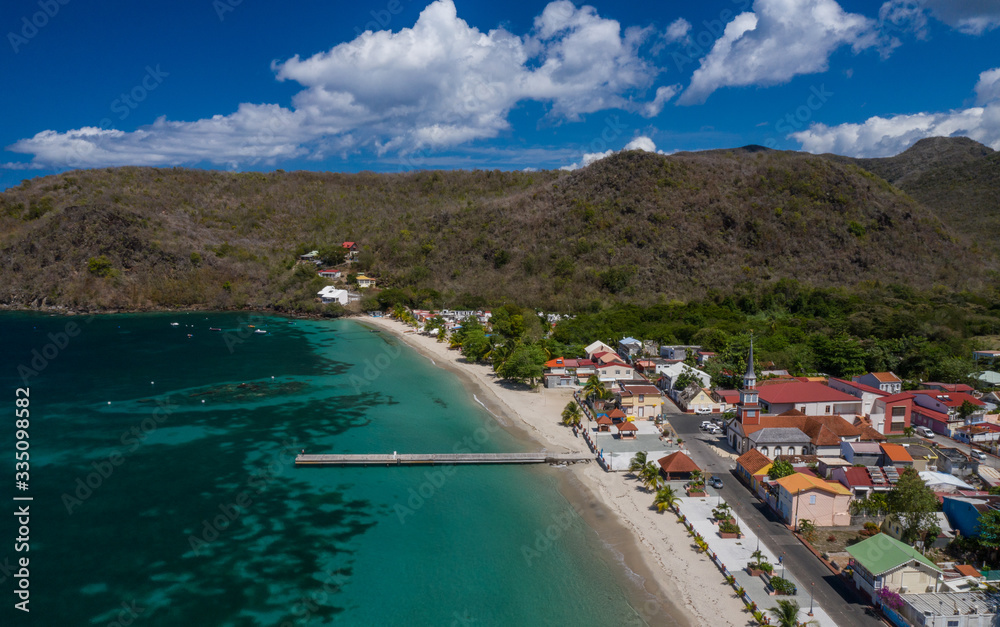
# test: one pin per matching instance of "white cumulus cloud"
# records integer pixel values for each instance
(677, 31)
(776, 41)
(641, 142)
(437, 84)
(886, 136)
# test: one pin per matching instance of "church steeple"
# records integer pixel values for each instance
(747, 410)
(750, 378)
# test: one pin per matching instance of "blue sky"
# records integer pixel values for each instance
(392, 85)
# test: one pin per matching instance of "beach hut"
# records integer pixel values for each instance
(627, 430)
(677, 464)
(604, 423)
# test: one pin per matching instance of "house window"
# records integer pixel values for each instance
(898, 418)
(777, 451)
(828, 409)
(642, 398)
(763, 450)
(812, 499)
(953, 623)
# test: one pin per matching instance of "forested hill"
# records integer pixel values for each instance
(956, 177)
(635, 227)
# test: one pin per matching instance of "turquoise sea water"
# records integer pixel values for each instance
(165, 494)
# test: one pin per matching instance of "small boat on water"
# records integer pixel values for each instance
(189, 335)
(214, 329)
(261, 331)
(250, 326)
(175, 324)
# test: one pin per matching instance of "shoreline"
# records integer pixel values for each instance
(648, 545)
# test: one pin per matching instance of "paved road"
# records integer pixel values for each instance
(831, 593)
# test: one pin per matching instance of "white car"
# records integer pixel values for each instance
(924, 431)
(978, 454)
(714, 430)
(703, 410)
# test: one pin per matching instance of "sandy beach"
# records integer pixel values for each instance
(681, 586)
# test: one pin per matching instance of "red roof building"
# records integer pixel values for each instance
(810, 398)
(677, 464)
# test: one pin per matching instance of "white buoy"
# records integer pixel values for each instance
(202, 400)
(109, 402)
(152, 383)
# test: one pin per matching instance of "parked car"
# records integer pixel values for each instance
(715, 482)
(978, 454)
(707, 424)
(715, 430)
(924, 431)
(703, 410)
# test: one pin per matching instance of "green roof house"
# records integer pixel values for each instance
(884, 562)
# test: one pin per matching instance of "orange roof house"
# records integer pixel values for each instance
(896, 454)
(604, 423)
(804, 497)
(677, 464)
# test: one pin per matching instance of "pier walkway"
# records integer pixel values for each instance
(404, 459)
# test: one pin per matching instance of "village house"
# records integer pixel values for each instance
(948, 387)
(351, 248)
(670, 372)
(866, 393)
(612, 372)
(955, 462)
(698, 399)
(678, 352)
(804, 497)
(814, 399)
(365, 281)
(562, 372)
(597, 347)
(896, 455)
(972, 608)
(331, 294)
(893, 527)
(963, 512)
(640, 400)
(891, 415)
(751, 467)
(883, 562)
(859, 481)
(629, 348)
(885, 381)
(702, 357)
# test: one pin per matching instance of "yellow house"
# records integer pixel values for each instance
(365, 281)
(641, 401)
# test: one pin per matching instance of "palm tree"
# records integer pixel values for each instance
(571, 414)
(787, 614)
(666, 498)
(638, 462)
(650, 476)
(594, 388)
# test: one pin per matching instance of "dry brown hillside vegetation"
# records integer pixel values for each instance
(636, 226)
